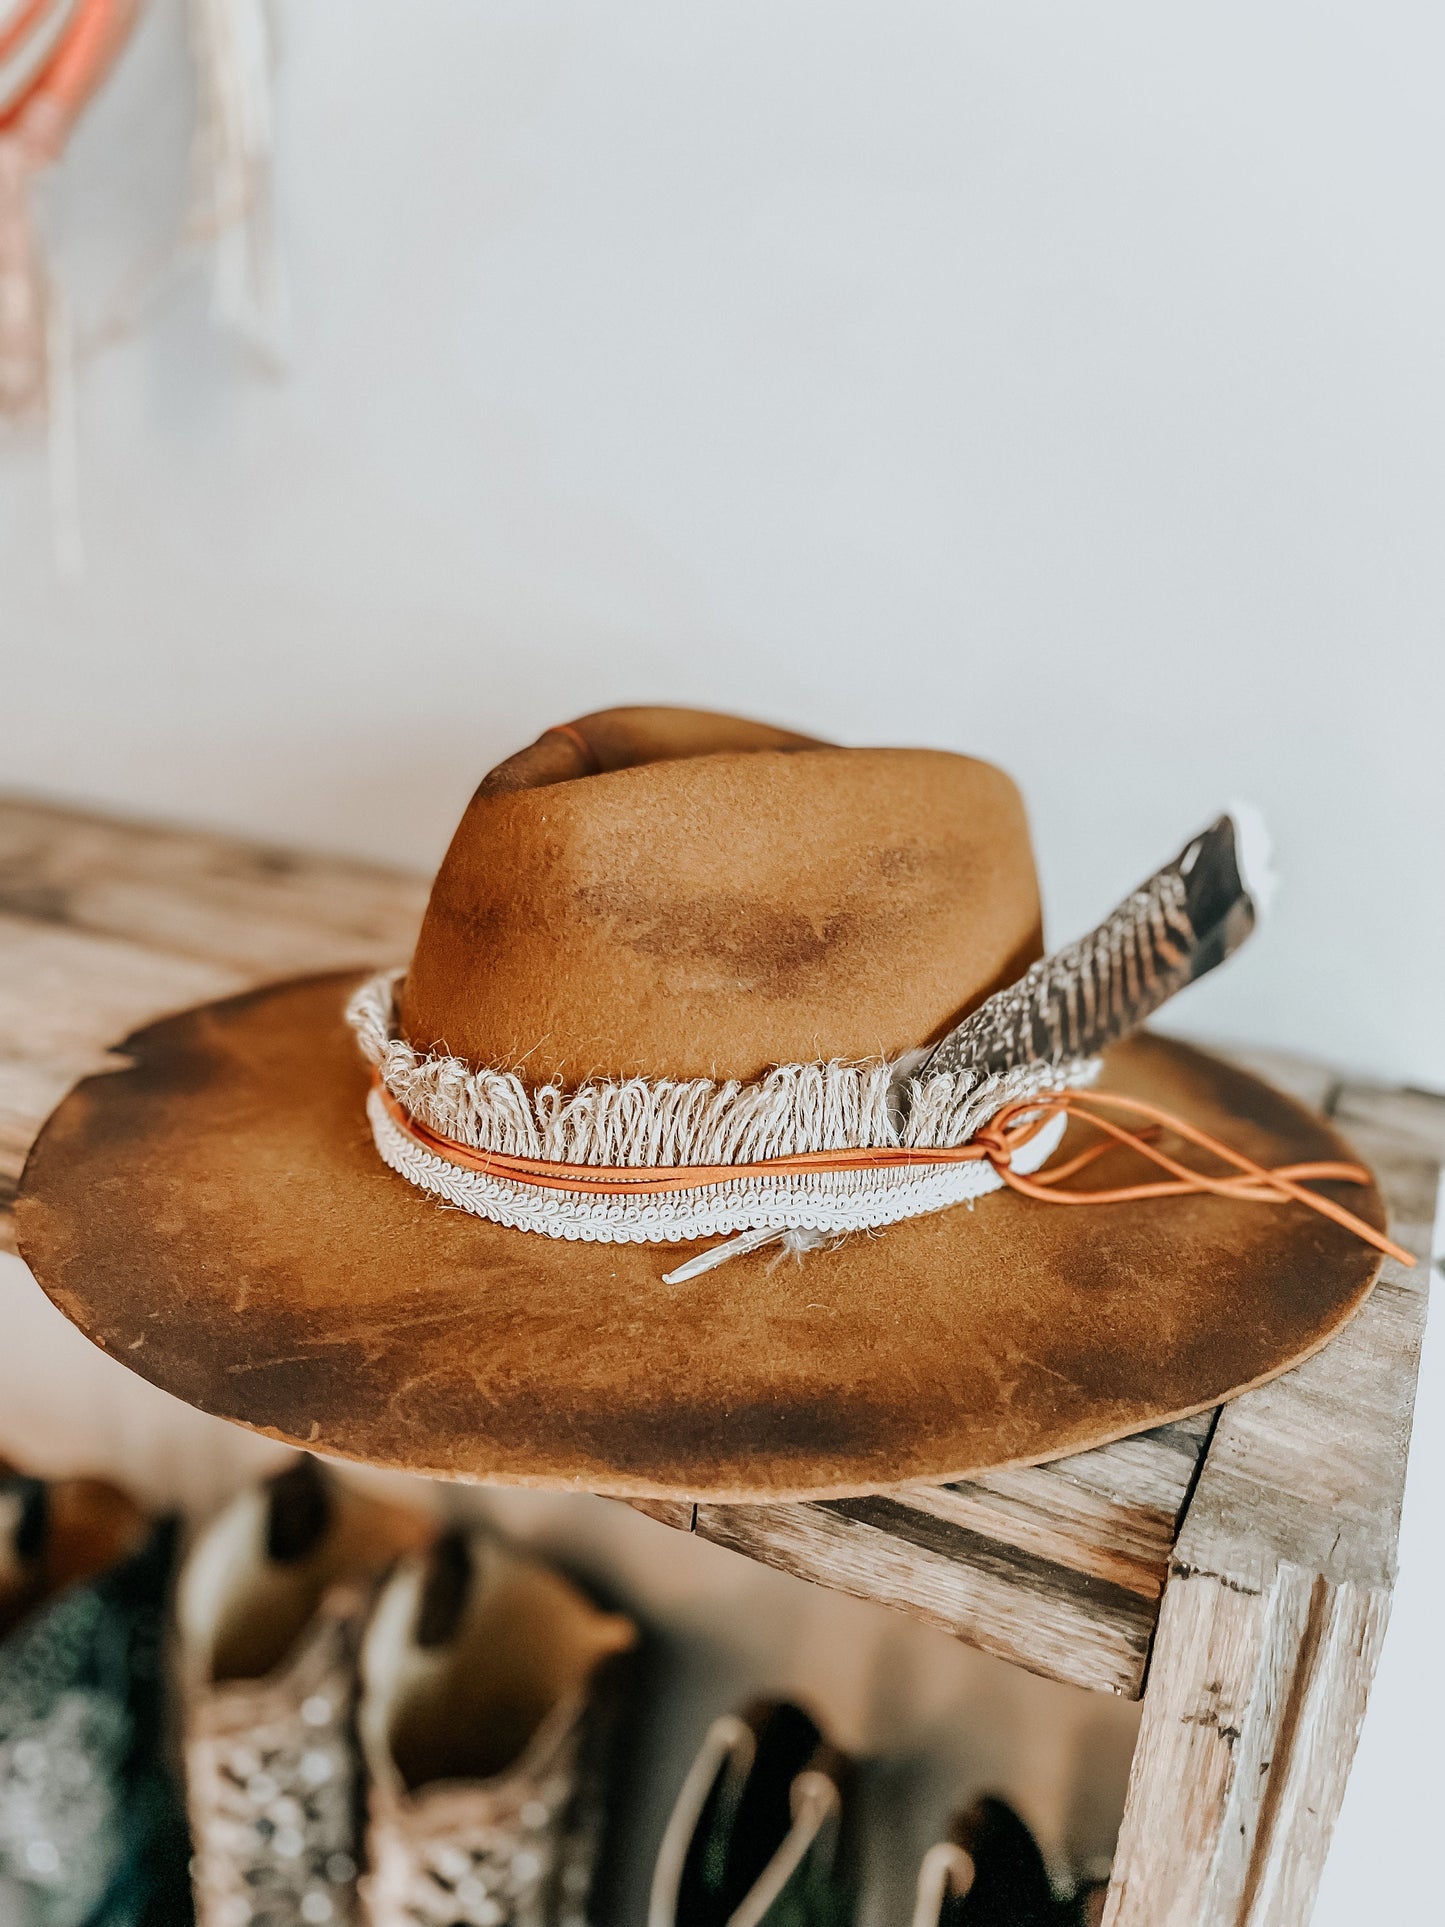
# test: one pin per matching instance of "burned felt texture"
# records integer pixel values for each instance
(716, 914)
(216, 1216)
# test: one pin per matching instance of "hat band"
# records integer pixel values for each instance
(675, 1204)
(812, 1188)
(430, 1115)
(1009, 1147)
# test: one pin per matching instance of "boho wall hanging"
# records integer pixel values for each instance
(54, 56)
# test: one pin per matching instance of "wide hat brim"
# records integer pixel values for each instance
(216, 1216)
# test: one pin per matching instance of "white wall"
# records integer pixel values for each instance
(1059, 383)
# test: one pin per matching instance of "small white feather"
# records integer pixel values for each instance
(1254, 852)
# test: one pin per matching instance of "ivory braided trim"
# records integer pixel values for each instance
(641, 1122)
(824, 1201)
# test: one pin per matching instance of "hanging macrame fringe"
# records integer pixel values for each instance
(232, 204)
(24, 304)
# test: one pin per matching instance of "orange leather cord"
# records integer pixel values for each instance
(1005, 1134)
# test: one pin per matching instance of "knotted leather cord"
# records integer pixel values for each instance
(1006, 1133)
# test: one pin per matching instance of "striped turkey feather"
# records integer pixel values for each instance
(1186, 919)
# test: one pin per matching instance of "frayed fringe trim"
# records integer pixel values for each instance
(643, 1122)
(828, 1204)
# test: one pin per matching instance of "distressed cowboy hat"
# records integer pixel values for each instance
(710, 1145)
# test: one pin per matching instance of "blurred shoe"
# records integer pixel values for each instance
(758, 1833)
(987, 1873)
(272, 1601)
(490, 1687)
(91, 1832)
(59, 1533)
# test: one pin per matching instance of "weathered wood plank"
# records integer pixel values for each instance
(1278, 1597)
(1407, 1120)
(681, 1514)
(106, 924)
(1249, 1728)
(1056, 1567)
(1051, 1618)
(67, 995)
(263, 911)
(1112, 1512)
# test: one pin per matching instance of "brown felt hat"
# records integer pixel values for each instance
(667, 896)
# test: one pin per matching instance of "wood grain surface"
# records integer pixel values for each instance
(1278, 1593)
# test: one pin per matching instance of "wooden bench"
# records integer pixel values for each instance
(1234, 1569)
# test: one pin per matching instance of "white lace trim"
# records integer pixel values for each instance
(640, 1122)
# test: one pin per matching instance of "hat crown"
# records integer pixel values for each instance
(668, 893)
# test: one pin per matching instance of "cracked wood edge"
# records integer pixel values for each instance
(1279, 1594)
(1057, 1567)
(1250, 1723)
(1038, 1613)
